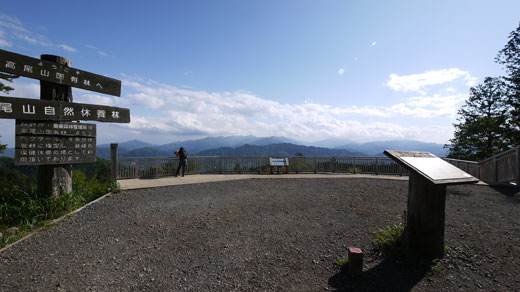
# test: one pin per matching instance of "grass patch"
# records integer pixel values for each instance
(342, 262)
(28, 212)
(390, 240)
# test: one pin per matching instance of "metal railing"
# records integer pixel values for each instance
(164, 166)
(504, 167)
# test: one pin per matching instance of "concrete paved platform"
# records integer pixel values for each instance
(144, 183)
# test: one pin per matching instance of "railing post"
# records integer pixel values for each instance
(377, 165)
(220, 165)
(495, 170)
(156, 166)
(517, 166)
(333, 164)
(315, 165)
(113, 159)
(136, 168)
(239, 165)
(354, 169)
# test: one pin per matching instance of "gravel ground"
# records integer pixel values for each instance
(267, 235)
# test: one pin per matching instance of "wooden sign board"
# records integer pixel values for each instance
(41, 110)
(45, 143)
(431, 167)
(52, 72)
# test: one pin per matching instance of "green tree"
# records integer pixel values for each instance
(8, 77)
(6, 89)
(481, 130)
(509, 56)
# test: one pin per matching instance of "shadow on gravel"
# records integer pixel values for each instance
(509, 191)
(389, 275)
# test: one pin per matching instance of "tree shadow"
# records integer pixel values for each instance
(507, 190)
(389, 275)
(510, 191)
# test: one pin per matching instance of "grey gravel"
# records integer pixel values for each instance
(265, 235)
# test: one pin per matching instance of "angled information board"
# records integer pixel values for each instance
(431, 167)
(39, 109)
(52, 72)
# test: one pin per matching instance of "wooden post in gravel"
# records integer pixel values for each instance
(429, 176)
(113, 160)
(425, 216)
(55, 179)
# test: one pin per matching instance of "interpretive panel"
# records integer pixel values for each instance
(44, 143)
(431, 167)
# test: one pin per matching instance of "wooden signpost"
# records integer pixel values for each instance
(40, 110)
(52, 71)
(429, 176)
(45, 133)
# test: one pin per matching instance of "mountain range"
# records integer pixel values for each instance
(272, 146)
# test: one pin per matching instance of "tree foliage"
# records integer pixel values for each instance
(9, 77)
(6, 89)
(489, 121)
(482, 131)
(509, 56)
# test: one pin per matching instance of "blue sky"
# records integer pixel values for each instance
(307, 70)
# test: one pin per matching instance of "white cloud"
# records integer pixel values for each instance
(16, 30)
(92, 99)
(98, 51)
(3, 41)
(189, 112)
(418, 82)
(26, 90)
(68, 48)
(341, 71)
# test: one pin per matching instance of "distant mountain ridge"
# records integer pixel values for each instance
(376, 148)
(279, 149)
(233, 145)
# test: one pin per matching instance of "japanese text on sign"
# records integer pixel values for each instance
(41, 143)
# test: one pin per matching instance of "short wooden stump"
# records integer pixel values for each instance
(355, 261)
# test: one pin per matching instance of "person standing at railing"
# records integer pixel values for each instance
(183, 158)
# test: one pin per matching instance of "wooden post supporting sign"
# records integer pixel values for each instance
(429, 176)
(55, 179)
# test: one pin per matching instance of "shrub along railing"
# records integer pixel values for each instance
(164, 166)
(501, 168)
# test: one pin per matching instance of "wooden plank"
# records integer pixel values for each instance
(49, 143)
(42, 110)
(53, 72)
